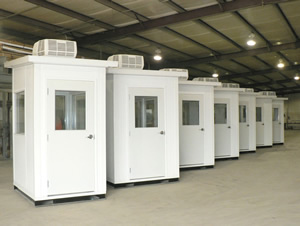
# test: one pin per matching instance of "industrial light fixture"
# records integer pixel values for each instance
(251, 41)
(297, 77)
(215, 75)
(157, 55)
(280, 64)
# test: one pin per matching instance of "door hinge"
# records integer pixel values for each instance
(47, 137)
(129, 170)
(47, 183)
(47, 91)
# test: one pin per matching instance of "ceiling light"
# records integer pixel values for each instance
(296, 77)
(280, 64)
(251, 41)
(215, 75)
(157, 55)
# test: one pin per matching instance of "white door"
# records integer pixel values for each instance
(71, 144)
(260, 125)
(147, 133)
(222, 128)
(276, 124)
(244, 126)
(191, 129)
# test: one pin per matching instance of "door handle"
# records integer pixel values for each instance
(202, 129)
(229, 127)
(162, 132)
(90, 136)
(263, 124)
(248, 125)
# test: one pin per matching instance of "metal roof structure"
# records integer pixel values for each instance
(204, 36)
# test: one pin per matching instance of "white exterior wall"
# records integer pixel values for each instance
(207, 90)
(233, 97)
(279, 102)
(30, 74)
(251, 100)
(118, 83)
(267, 119)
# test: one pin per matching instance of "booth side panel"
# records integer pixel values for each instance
(235, 145)
(23, 140)
(110, 129)
(172, 127)
(252, 123)
(268, 122)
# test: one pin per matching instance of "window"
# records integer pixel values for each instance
(146, 111)
(190, 112)
(275, 114)
(70, 110)
(20, 112)
(258, 114)
(220, 113)
(243, 113)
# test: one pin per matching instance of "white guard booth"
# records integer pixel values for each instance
(142, 125)
(264, 125)
(196, 122)
(278, 120)
(226, 112)
(59, 127)
(247, 128)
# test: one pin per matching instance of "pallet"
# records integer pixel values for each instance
(61, 200)
(247, 152)
(269, 146)
(229, 158)
(196, 168)
(124, 185)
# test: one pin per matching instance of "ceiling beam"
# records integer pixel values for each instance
(273, 82)
(286, 20)
(261, 72)
(70, 13)
(254, 52)
(172, 19)
(35, 23)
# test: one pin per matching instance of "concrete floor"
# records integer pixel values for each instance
(261, 188)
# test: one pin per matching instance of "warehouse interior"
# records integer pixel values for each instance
(210, 38)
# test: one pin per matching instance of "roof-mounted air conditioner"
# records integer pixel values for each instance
(128, 61)
(177, 70)
(206, 79)
(230, 85)
(249, 90)
(54, 47)
(268, 93)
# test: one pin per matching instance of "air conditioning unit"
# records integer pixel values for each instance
(230, 85)
(206, 79)
(268, 93)
(54, 47)
(249, 90)
(178, 70)
(128, 61)
(174, 69)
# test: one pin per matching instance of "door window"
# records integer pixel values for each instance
(220, 113)
(70, 110)
(275, 114)
(190, 112)
(258, 114)
(20, 112)
(146, 111)
(243, 113)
